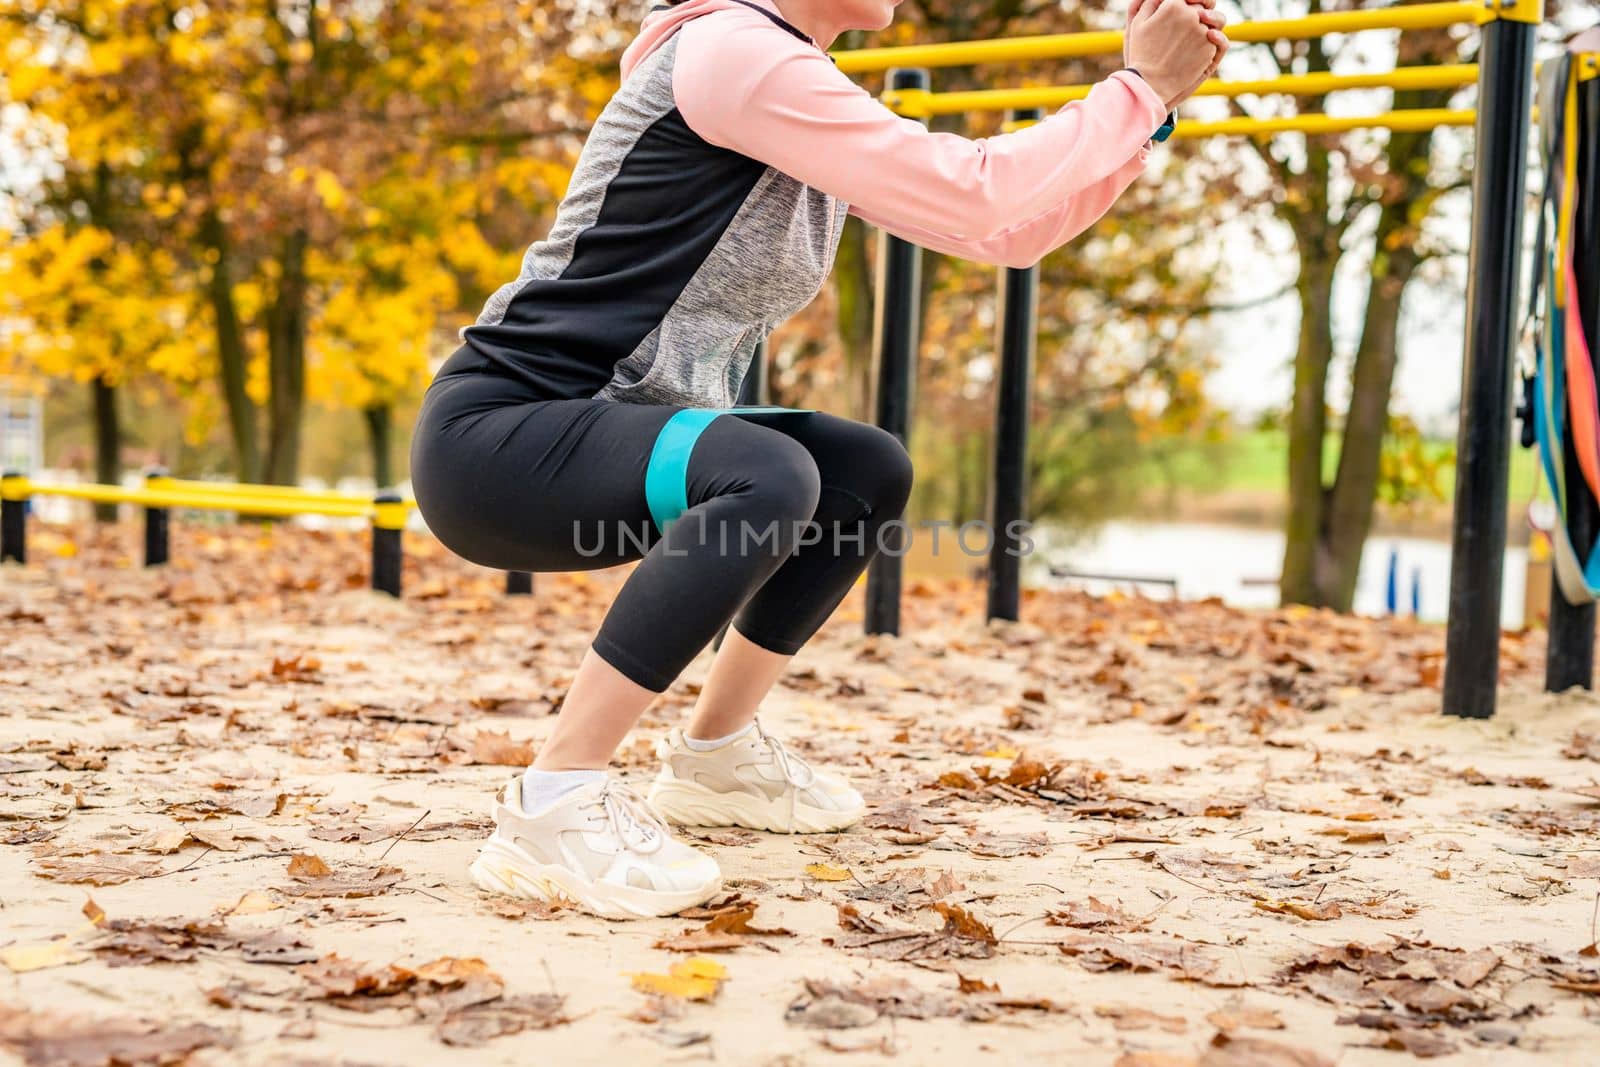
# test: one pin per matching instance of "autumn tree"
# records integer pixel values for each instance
(82, 307)
(243, 140)
(1370, 196)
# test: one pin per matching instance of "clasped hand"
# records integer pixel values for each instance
(1175, 45)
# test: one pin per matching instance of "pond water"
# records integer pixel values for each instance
(1240, 565)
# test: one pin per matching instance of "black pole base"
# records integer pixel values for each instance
(157, 529)
(13, 531)
(388, 548)
(1569, 657)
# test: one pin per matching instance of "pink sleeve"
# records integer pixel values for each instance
(744, 84)
(1028, 242)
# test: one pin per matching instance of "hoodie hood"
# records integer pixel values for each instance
(664, 21)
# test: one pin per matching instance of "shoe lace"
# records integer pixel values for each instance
(631, 819)
(796, 771)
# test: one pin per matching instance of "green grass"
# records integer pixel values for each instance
(1256, 461)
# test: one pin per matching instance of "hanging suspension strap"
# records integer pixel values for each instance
(1561, 394)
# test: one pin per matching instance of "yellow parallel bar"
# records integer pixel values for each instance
(179, 498)
(1105, 42)
(920, 104)
(283, 492)
(1411, 120)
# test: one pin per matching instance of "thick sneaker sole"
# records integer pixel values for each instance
(692, 804)
(503, 868)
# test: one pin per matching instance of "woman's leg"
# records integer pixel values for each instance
(561, 485)
(865, 477)
(565, 485)
(725, 769)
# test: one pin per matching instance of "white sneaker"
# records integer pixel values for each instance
(600, 847)
(753, 782)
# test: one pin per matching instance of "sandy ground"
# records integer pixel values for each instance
(1122, 832)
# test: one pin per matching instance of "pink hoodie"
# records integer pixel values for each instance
(743, 83)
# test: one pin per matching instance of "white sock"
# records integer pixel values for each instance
(697, 745)
(540, 789)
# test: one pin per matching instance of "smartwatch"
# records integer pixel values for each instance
(1165, 129)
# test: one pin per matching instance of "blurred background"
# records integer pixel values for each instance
(244, 233)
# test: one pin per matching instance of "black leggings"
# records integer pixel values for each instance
(775, 516)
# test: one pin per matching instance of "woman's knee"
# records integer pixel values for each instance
(784, 484)
(883, 470)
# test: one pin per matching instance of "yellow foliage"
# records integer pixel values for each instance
(696, 978)
(824, 872)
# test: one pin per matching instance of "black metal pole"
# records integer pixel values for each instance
(388, 525)
(754, 391)
(157, 523)
(519, 583)
(1483, 448)
(1008, 485)
(13, 517)
(895, 342)
(1569, 658)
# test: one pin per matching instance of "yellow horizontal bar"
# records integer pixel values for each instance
(1410, 119)
(921, 104)
(354, 508)
(1105, 42)
(283, 492)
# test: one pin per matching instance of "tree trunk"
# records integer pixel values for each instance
(380, 426)
(1353, 497)
(107, 444)
(852, 281)
(286, 348)
(230, 350)
(1303, 566)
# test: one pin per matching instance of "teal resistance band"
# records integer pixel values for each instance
(666, 476)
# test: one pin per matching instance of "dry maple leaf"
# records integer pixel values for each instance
(695, 978)
(960, 922)
(308, 865)
(1185, 960)
(137, 942)
(478, 1023)
(314, 878)
(1227, 1050)
(334, 976)
(1310, 911)
(297, 668)
(100, 868)
(490, 747)
(1583, 745)
(1005, 846)
(1095, 914)
(1131, 1017)
(49, 1039)
(1234, 1016)
(727, 930)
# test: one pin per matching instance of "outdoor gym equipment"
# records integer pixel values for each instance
(1559, 409)
(387, 512)
(1504, 77)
